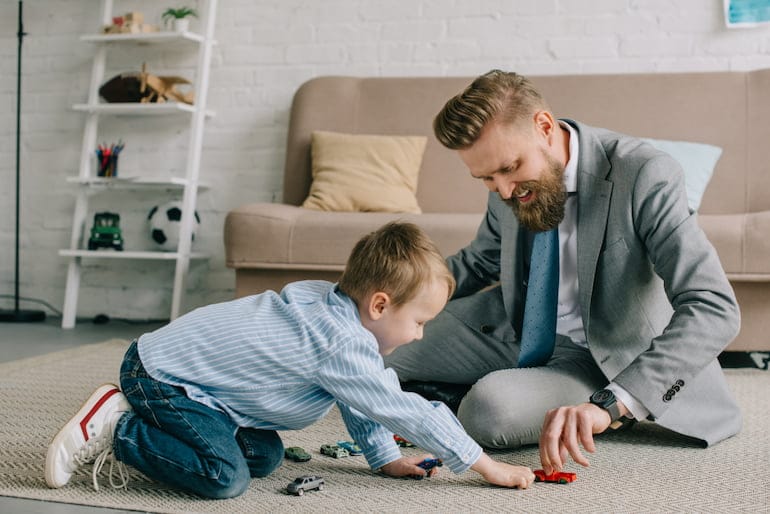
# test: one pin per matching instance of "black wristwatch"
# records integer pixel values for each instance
(605, 399)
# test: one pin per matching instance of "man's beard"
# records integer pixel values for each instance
(546, 210)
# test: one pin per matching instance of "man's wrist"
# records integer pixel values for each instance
(605, 399)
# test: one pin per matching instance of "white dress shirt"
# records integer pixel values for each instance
(569, 318)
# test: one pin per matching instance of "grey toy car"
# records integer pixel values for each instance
(305, 483)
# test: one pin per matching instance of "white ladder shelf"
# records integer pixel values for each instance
(87, 180)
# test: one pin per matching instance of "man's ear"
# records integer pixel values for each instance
(378, 302)
(545, 124)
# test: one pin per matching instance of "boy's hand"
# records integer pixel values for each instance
(505, 475)
(407, 466)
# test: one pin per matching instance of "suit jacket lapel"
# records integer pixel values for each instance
(594, 194)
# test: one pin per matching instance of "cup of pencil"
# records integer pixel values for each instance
(107, 159)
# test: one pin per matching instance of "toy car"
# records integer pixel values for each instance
(402, 442)
(106, 233)
(305, 483)
(332, 450)
(427, 465)
(297, 454)
(557, 476)
(350, 446)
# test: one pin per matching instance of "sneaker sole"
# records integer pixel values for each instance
(79, 420)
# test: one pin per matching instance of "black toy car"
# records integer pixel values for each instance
(106, 233)
(305, 483)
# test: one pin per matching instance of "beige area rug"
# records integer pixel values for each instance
(643, 470)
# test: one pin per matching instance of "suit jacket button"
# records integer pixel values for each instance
(487, 329)
(666, 397)
(680, 383)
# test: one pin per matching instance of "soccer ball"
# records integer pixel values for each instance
(164, 222)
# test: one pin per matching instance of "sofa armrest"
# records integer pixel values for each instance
(742, 242)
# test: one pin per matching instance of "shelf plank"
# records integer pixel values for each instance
(129, 182)
(139, 109)
(144, 37)
(112, 254)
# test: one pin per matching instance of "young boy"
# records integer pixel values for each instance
(203, 397)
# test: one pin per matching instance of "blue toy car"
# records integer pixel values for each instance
(350, 446)
(427, 465)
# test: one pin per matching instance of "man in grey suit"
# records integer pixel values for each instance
(644, 306)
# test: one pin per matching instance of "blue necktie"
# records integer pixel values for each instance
(538, 333)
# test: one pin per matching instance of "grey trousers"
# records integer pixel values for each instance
(506, 405)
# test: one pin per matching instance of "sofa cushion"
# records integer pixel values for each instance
(307, 239)
(369, 173)
(698, 161)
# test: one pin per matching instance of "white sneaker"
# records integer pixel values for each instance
(86, 437)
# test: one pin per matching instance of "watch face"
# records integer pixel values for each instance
(602, 396)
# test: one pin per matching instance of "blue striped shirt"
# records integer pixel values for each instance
(281, 361)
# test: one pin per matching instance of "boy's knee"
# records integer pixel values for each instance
(263, 450)
(231, 482)
(274, 455)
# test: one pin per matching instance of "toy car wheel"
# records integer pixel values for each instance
(562, 480)
(119, 248)
(320, 487)
(91, 245)
(300, 492)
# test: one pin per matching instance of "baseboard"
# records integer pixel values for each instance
(756, 360)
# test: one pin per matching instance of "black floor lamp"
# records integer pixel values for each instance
(16, 314)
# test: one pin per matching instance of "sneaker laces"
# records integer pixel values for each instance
(97, 450)
(91, 450)
(115, 465)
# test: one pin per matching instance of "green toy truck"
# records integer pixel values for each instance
(106, 232)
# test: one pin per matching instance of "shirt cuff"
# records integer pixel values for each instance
(634, 406)
(381, 455)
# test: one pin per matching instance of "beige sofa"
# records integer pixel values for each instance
(269, 245)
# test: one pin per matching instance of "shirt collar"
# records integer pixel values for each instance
(570, 170)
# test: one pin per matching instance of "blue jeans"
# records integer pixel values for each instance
(183, 443)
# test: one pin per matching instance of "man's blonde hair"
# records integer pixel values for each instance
(496, 95)
(397, 259)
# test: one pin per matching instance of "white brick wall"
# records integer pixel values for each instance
(266, 49)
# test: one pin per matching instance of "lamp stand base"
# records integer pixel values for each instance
(21, 316)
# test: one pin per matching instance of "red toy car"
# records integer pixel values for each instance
(557, 476)
(402, 442)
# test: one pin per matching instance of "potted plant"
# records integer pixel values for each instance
(178, 17)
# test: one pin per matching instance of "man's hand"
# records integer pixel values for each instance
(565, 429)
(407, 466)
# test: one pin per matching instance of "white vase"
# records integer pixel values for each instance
(181, 24)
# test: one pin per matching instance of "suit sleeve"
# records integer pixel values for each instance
(478, 264)
(705, 313)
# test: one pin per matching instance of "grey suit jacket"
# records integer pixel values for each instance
(657, 307)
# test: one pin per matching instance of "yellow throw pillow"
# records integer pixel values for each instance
(357, 172)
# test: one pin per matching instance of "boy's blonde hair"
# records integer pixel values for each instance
(397, 259)
(496, 95)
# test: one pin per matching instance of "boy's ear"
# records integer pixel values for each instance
(378, 302)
